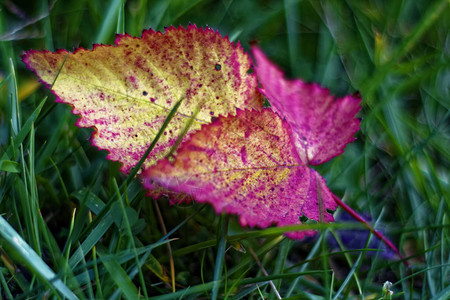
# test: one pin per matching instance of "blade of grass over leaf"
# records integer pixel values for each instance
(52, 106)
(105, 210)
(169, 118)
(104, 217)
(246, 165)
(126, 91)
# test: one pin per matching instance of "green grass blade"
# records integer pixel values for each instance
(155, 140)
(121, 19)
(23, 133)
(107, 27)
(443, 294)
(198, 289)
(33, 260)
(222, 230)
(311, 254)
(105, 219)
(131, 238)
(4, 287)
(349, 276)
(119, 276)
(16, 116)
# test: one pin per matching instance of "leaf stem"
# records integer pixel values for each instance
(378, 234)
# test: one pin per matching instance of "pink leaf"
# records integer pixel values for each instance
(322, 125)
(247, 165)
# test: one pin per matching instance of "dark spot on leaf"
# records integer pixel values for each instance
(211, 113)
(135, 135)
(144, 93)
(303, 219)
(330, 211)
(218, 67)
(152, 99)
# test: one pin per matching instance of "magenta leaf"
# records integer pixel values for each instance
(322, 125)
(247, 165)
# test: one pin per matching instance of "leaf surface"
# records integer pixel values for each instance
(322, 125)
(246, 165)
(126, 90)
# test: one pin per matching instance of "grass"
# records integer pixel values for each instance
(72, 226)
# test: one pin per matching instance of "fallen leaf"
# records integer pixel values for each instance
(322, 125)
(127, 90)
(247, 165)
(257, 165)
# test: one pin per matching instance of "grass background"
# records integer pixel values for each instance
(60, 209)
